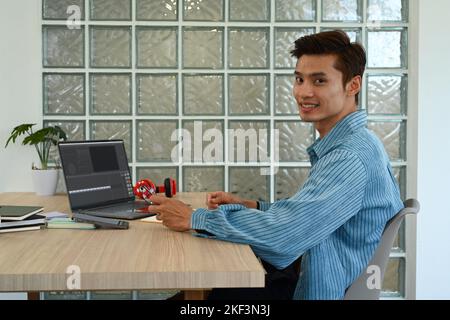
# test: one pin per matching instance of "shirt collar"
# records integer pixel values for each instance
(351, 123)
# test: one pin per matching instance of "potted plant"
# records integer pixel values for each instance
(44, 178)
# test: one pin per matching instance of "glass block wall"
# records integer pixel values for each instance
(138, 70)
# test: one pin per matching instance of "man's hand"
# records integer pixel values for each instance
(214, 199)
(174, 214)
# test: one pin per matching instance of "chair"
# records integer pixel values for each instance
(359, 290)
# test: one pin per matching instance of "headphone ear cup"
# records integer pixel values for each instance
(168, 188)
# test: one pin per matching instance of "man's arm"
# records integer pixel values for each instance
(214, 199)
(332, 194)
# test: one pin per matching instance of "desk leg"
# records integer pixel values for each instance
(195, 295)
(33, 295)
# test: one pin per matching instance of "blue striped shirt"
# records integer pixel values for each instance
(335, 220)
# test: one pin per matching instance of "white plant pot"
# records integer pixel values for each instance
(44, 181)
(61, 184)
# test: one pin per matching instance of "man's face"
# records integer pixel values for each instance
(320, 94)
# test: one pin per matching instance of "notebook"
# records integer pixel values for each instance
(18, 212)
(34, 220)
(20, 229)
(98, 179)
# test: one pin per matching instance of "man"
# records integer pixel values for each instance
(335, 220)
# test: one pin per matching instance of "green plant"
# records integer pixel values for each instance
(42, 139)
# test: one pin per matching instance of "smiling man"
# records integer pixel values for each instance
(335, 220)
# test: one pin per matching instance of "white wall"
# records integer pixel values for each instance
(433, 223)
(20, 87)
(21, 101)
(20, 92)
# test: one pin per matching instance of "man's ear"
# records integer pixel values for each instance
(353, 87)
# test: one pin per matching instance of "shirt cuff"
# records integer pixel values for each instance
(198, 223)
(198, 219)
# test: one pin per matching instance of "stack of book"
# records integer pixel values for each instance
(21, 218)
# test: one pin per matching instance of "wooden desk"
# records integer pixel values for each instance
(146, 256)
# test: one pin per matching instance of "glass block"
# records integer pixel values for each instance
(110, 9)
(206, 10)
(206, 141)
(63, 47)
(111, 295)
(393, 282)
(355, 34)
(113, 130)
(289, 180)
(295, 10)
(156, 294)
(110, 93)
(110, 47)
(284, 43)
(392, 10)
(294, 138)
(248, 141)
(75, 131)
(157, 174)
(400, 175)
(203, 94)
(248, 94)
(63, 93)
(249, 183)
(342, 10)
(57, 9)
(156, 47)
(202, 48)
(393, 136)
(387, 48)
(399, 241)
(65, 295)
(154, 140)
(387, 94)
(249, 10)
(157, 94)
(248, 48)
(203, 179)
(156, 10)
(285, 103)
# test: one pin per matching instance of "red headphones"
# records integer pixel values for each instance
(145, 188)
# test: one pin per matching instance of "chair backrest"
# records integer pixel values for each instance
(362, 288)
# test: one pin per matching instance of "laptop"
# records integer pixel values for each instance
(98, 179)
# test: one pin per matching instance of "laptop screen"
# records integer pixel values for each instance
(96, 173)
